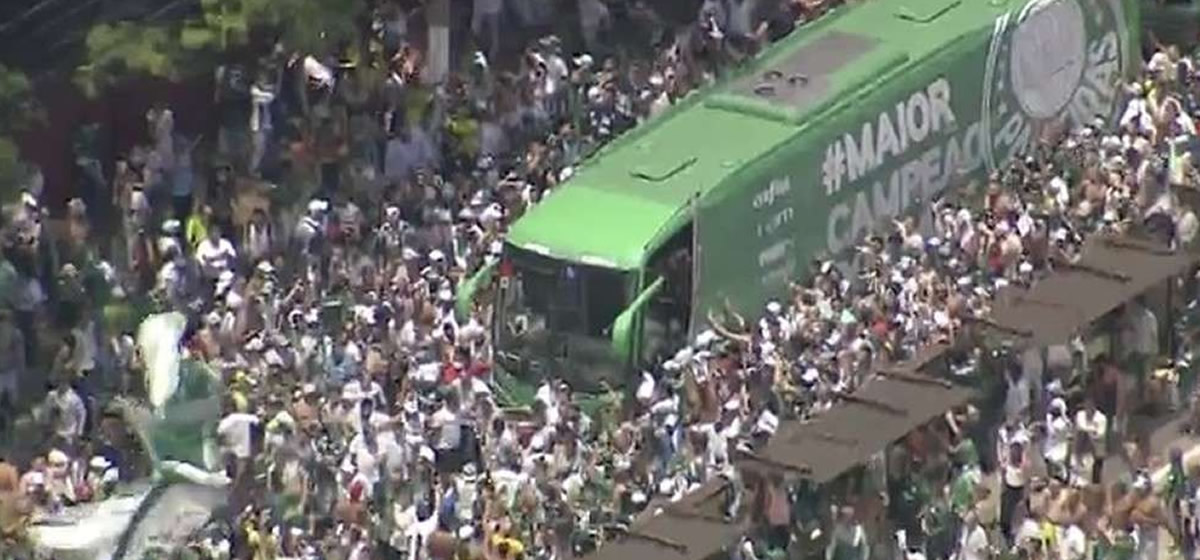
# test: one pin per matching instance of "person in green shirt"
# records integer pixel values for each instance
(962, 489)
(1120, 545)
(849, 539)
(196, 229)
(940, 524)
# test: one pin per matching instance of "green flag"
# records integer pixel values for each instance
(184, 398)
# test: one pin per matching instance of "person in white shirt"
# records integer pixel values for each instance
(236, 434)
(1017, 400)
(363, 457)
(1014, 472)
(215, 254)
(1072, 543)
(262, 94)
(1092, 422)
(68, 413)
(973, 542)
(1057, 445)
(447, 426)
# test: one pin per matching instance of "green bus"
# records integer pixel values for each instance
(852, 121)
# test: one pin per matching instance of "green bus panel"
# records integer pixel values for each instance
(886, 147)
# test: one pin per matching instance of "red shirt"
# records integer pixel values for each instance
(451, 371)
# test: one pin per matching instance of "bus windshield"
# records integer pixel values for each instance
(552, 312)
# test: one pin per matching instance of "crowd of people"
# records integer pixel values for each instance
(315, 244)
(318, 249)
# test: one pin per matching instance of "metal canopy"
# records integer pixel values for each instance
(885, 409)
(691, 529)
(1109, 273)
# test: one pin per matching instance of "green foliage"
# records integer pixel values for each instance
(19, 109)
(317, 25)
(13, 172)
(172, 49)
(120, 49)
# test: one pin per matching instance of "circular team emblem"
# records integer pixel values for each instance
(1054, 62)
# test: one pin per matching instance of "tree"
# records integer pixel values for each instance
(175, 49)
(116, 50)
(19, 110)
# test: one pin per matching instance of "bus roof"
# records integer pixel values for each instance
(638, 188)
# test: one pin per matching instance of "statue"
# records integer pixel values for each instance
(177, 427)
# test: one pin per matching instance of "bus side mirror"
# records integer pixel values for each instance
(466, 293)
(622, 330)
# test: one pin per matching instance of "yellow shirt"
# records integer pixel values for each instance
(195, 230)
(515, 547)
(262, 545)
(240, 401)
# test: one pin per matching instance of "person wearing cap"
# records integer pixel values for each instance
(101, 478)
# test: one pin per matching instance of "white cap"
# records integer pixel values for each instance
(436, 255)
(99, 462)
(1058, 404)
(774, 308)
(318, 205)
